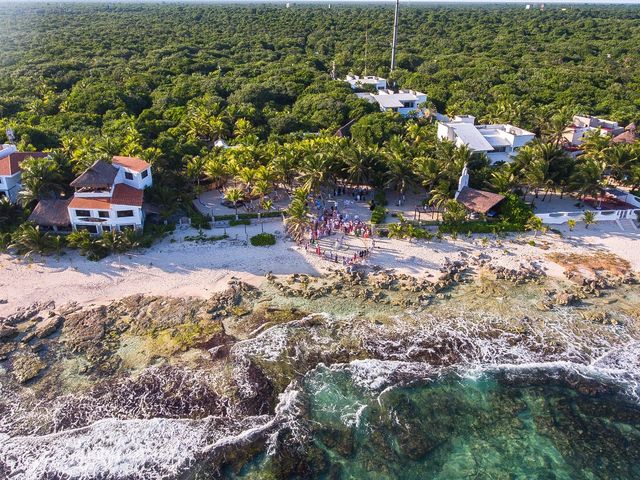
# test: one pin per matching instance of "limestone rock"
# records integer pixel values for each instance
(26, 365)
(48, 326)
(7, 331)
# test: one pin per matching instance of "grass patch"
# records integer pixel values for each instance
(240, 221)
(263, 240)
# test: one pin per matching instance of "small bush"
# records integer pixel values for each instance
(378, 215)
(244, 216)
(263, 240)
(240, 221)
(380, 198)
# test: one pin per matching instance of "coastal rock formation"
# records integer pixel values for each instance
(26, 366)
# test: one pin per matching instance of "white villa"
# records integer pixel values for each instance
(357, 82)
(107, 197)
(499, 142)
(10, 171)
(404, 102)
(574, 133)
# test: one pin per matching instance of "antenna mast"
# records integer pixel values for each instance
(395, 36)
(366, 41)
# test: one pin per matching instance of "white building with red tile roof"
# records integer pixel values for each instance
(10, 171)
(110, 196)
(574, 134)
(135, 171)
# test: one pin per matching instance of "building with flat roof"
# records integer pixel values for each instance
(500, 142)
(404, 102)
(574, 134)
(358, 82)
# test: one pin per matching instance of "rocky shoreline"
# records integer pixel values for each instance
(233, 357)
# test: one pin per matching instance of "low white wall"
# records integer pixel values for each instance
(558, 218)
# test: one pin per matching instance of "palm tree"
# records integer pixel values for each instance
(247, 176)
(535, 175)
(503, 180)
(595, 145)
(242, 128)
(261, 189)
(534, 223)
(619, 159)
(267, 206)
(587, 179)
(554, 129)
(215, 170)
(358, 164)
(10, 214)
(116, 243)
(428, 170)
(28, 240)
(589, 218)
(297, 221)
(440, 195)
(315, 172)
(195, 168)
(234, 195)
(40, 178)
(285, 165)
(217, 127)
(454, 212)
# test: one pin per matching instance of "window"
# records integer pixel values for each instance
(106, 228)
(83, 213)
(127, 227)
(145, 174)
(125, 213)
(104, 214)
(128, 175)
(89, 228)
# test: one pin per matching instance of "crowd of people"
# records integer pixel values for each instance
(331, 222)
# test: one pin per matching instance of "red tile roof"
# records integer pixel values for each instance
(629, 136)
(125, 195)
(132, 163)
(101, 203)
(10, 165)
(479, 200)
(122, 195)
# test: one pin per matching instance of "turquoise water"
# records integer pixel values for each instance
(493, 427)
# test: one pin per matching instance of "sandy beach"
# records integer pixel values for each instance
(175, 267)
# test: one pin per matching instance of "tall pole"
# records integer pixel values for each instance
(395, 36)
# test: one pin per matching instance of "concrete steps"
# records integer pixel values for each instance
(627, 225)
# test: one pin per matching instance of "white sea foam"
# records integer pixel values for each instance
(399, 353)
(153, 449)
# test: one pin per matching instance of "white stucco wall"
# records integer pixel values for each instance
(113, 221)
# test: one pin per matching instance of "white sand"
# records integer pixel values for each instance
(181, 268)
